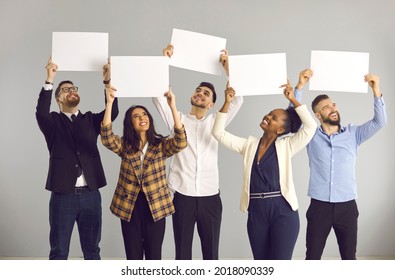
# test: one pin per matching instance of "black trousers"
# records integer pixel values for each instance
(141, 235)
(204, 211)
(321, 218)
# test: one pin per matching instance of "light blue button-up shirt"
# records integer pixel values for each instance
(332, 158)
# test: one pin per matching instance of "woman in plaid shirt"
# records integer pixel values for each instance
(142, 198)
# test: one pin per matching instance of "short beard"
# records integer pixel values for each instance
(73, 103)
(329, 121)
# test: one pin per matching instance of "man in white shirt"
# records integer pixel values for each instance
(193, 173)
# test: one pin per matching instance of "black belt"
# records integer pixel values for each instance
(265, 194)
(84, 189)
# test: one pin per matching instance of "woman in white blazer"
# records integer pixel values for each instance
(268, 191)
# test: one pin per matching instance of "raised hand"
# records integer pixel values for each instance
(374, 83)
(288, 90)
(304, 77)
(107, 72)
(171, 98)
(224, 59)
(169, 50)
(51, 70)
(229, 94)
(289, 94)
(110, 94)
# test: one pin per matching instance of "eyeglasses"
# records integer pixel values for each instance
(69, 89)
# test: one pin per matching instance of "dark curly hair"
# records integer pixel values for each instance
(293, 122)
(131, 139)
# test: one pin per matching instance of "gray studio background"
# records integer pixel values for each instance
(145, 28)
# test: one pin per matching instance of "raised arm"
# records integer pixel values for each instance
(224, 59)
(51, 68)
(107, 84)
(43, 115)
(98, 118)
(161, 102)
(179, 140)
(290, 95)
(110, 97)
(374, 83)
(107, 74)
(304, 78)
(303, 136)
(234, 106)
(229, 140)
(372, 126)
(108, 139)
(230, 94)
(171, 101)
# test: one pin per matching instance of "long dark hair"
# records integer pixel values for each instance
(131, 139)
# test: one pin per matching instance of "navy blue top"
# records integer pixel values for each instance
(265, 175)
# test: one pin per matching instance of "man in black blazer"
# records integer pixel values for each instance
(75, 170)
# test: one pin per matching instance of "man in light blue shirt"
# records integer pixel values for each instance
(332, 155)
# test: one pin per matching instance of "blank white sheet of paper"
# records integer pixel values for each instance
(258, 74)
(140, 76)
(79, 51)
(339, 71)
(197, 52)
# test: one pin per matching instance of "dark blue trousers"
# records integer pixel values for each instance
(66, 209)
(273, 228)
